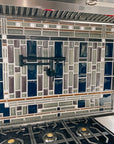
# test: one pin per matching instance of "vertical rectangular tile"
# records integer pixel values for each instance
(88, 80)
(70, 78)
(51, 51)
(108, 68)
(32, 88)
(24, 50)
(10, 54)
(17, 81)
(18, 94)
(108, 49)
(82, 69)
(50, 83)
(23, 84)
(58, 49)
(11, 84)
(1, 74)
(112, 83)
(82, 85)
(58, 87)
(98, 79)
(83, 49)
(45, 91)
(17, 53)
(107, 83)
(71, 56)
(39, 51)
(11, 69)
(0, 48)
(59, 70)
(99, 54)
(94, 57)
(31, 48)
(65, 54)
(94, 78)
(75, 80)
(32, 72)
(70, 89)
(89, 54)
(16, 43)
(40, 83)
(1, 90)
(65, 81)
(45, 80)
(76, 54)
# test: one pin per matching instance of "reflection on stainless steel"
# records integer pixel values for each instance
(49, 138)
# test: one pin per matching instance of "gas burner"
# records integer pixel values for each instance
(50, 138)
(13, 141)
(83, 131)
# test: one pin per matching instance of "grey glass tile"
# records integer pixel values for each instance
(40, 106)
(88, 80)
(50, 83)
(16, 43)
(83, 49)
(18, 94)
(94, 57)
(70, 78)
(45, 91)
(51, 51)
(15, 31)
(23, 42)
(11, 84)
(15, 37)
(23, 50)
(71, 34)
(93, 88)
(70, 89)
(17, 81)
(13, 111)
(89, 54)
(40, 79)
(98, 79)
(23, 84)
(70, 67)
(17, 53)
(32, 32)
(76, 54)
(10, 54)
(71, 44)
(25, 24)
(65, 81)
(65, 54)
(17, 69)
(50, 33)
(11, 23)
(45, 80)
(39, 25)
(64, 26)
(75, 81)
(65, 103)
(99, 54)
(25, 110)
(45, 44)
(94, 45)
(71, 56)
(11, 69)
(93, 77)
(50, 105)
(94, 67)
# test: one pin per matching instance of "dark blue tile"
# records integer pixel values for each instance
(32, 109)
(1, 76)
(59, 70)
(0, 48)
(1, 90)
(32, 72)
(6, 112)
(58, 108)
(82, 69)
(31, 48)
(108, 68)
(108, 49)
(58, 49)
(82, 85)
(6, 121)
(58, 86)
(81, 103)
(58, 114)
(1, 108)
(107, 83)
(83, 49)
(32, 88)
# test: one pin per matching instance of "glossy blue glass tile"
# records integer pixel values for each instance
(107, 83)
(32, 109)
(83, 49)
(59, 70)
(1, 76)
(82, 85)
(82, 69)
(58, 49)
(1, 108)
(32, 72)
(81, 103)
(32, 88)
(108, 49)
(0, 48)
(1, 90)
(108, 68)
(6, 121)
(6, 112)
(31, 48)
(58, 86)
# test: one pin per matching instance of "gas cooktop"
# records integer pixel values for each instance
(71, 131)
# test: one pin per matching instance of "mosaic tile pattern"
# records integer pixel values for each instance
(83, 84)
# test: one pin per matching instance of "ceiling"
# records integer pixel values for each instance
(71, 10)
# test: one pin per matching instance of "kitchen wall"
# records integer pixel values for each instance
(83, 85)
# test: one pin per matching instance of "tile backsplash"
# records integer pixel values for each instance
(84, 84)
